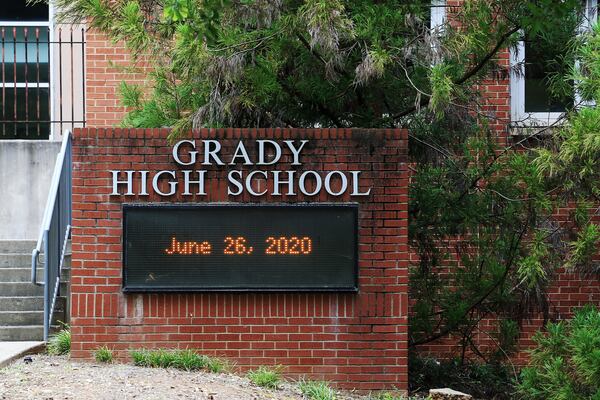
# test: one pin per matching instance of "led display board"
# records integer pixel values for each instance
(240, 248)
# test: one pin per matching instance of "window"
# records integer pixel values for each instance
(532, 62)
(438, 14)
(24, 71)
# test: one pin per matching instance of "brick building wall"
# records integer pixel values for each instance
(358, 340)
(568, 292)
(107, 65)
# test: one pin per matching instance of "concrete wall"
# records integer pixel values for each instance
(25, 172)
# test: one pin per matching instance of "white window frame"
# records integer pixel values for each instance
(591, 12)
(517, 81)
(437, 14)
(50, 25)
(27, 24)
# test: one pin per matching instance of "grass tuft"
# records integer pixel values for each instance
(139, 357)
(216, 365)
(60, 343)
(187, 360)
(317, 390)
(103, 354)
(265, 377)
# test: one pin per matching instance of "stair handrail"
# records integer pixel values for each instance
(54, 231)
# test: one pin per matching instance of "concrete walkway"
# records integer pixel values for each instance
(10, 351)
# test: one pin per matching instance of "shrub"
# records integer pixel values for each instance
(317, 390)
(265, 377)
(60, 343)
(565, 364)
(486, 381)
(103, 354)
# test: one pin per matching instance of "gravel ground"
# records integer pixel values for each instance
(57, 378)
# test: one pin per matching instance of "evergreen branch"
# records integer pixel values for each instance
(259, 40)
(312, 51)
(321, 107)
(338, 70)
(467, 75)
(510, 264)
(479, 66)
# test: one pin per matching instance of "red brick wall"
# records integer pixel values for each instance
(358, 340)
(107, 64)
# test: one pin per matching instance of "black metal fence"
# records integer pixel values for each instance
(42, 80)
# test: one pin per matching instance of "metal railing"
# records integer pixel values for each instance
(55, 231)
(42, 79)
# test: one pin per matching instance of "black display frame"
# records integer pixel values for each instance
(354, 207)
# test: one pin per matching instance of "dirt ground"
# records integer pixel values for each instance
(57, 378)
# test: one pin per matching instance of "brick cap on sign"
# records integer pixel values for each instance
(250, 133)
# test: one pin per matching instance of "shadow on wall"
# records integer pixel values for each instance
(25, 172)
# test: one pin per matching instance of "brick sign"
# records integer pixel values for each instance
(355, 337)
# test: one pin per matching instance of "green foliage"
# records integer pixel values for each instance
(586, 245)
(313, 62)
(176, 10)
(531, 268)
(103, 355)
(507, 337)
(317, 390)
(470, 210)
(571, 159)
(131, 95)
(265, 377)
(441, 88)
(60, 343)
(483, 216)
(486, 381)
(587, 71)
(187, 360)
(565, 364)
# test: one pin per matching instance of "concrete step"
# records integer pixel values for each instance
(21, 318)
(21, 303)
(25, 333)
(17, 246)
(14, 260)
(28, 303)
(20, 333)
(22, 260)
(24, 274)
(14, 289)
(18, 274)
